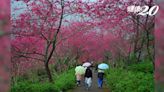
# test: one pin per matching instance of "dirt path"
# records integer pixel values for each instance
(94, 87)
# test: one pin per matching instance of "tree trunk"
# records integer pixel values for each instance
(53, 43)
(140, 50)
(136, 36)
(48, 72)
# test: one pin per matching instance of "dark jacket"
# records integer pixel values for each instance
(88, 73)
(100, 75)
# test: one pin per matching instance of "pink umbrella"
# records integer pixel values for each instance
(87, 64)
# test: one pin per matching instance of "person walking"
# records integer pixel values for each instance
(78, 79)
(88, 78)
(79, 72)
(100, 78)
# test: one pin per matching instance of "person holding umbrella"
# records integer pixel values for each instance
(79, 71)
(100, 75)
(88, 78)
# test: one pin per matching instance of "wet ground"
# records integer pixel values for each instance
(94, 87)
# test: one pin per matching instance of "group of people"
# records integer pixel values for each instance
(88, 76)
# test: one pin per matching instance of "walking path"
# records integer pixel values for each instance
(94, 87)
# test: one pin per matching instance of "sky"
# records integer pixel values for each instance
(17, 4)
(23, 7)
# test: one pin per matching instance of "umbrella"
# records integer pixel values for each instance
(103, 66)
(80, 70)
(87, 64)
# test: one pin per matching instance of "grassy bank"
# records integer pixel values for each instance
(136, 78)
(62, 82)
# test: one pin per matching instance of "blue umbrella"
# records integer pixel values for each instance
(103, 66)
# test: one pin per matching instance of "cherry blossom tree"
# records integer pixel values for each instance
(49, 30)
(42, 19)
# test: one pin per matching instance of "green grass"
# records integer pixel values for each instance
(137, 78)
(62, 82)
(146, 67)
(66, 80)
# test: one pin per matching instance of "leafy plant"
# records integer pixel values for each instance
(120, 80)
(62, 82)
(146, 67)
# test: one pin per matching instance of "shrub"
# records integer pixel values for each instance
(63, 82)
(66, 80)
(37, 87)
(146, 67)
(128, 81)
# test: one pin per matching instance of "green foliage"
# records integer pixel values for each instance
(127, 81)
(138, 78)
(62, 82)
(33, 76)
(40, 75)
(146, 67)
(151, 37)
(37, 87)
(66, 80)
(132, 58)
